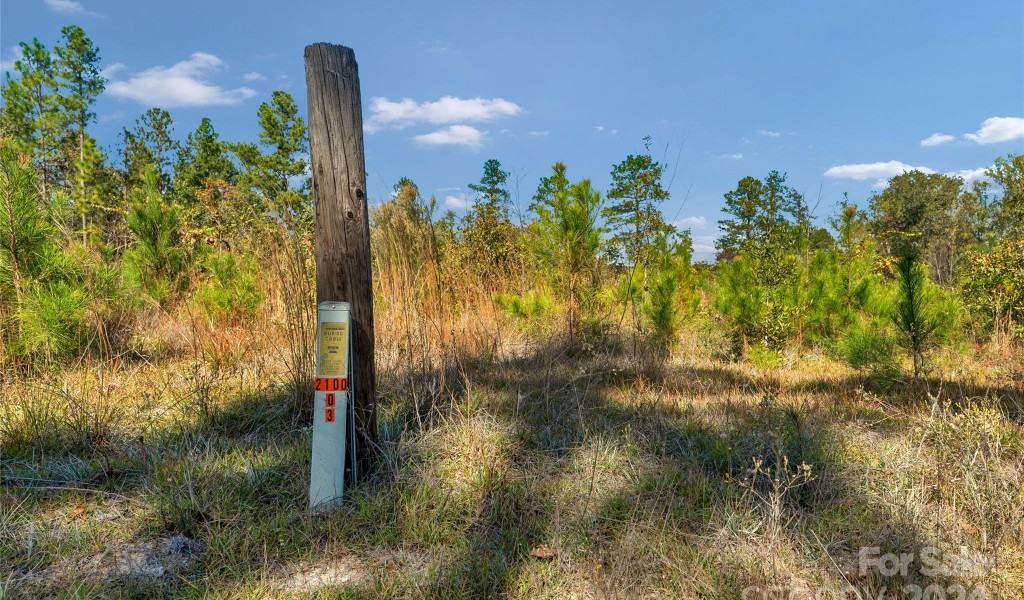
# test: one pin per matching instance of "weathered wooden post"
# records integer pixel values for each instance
(342, 226)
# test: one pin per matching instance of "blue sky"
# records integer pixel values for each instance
(840, 95)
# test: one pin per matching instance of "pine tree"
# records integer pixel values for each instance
(567, 240)
(92, 189)
(32, 115)
(79, 83)
(769, 218)
(740, 298)
(914, 314)
(159, 257)
(25, 229)
(491, 191)
(639, 231)
(203, 157)
(489, 237)
(149, 143)
(844, 290)
(672, 296)
(268, 178)
(633, 215)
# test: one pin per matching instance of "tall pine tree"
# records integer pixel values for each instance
(269, 178)
(32, 116)
(79, 83)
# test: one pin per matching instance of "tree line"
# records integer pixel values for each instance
(90, 242)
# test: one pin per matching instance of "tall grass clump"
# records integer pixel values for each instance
(290, 254)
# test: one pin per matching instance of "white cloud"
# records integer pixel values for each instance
(65, 6)
(539, 133)
(449, 109)
(937, 138)
(437, 47)
(863, 171)
(69, 7)
(768, 133)
(970, 175)
(696, 221)
(6, 64)
(735, 156)
(109, 71)
(599, 127)
(998, 129)
(181, 84)
(455, 135)
(254, 76)
(459, 202)
(704, 246)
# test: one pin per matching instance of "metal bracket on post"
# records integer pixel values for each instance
(333, 413)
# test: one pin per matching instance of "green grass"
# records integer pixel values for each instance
(682, 482)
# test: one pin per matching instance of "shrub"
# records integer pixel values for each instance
(992, 286)
(531, 311)
(158, 259)
(763, 357)
(52, 319)
(869, 347)
(231, 291)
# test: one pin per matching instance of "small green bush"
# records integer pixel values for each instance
(763, 357)
(531, 311)
(52, 319)
(159, 259)
(869, 347)
(231, 290)
(671, 298)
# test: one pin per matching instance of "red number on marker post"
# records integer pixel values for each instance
(330, 400)
(331, 384)
(329, 415)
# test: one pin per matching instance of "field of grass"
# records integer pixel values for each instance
(515, 466)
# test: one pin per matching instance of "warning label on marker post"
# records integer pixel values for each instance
(333, 349)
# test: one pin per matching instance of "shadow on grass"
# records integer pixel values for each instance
(691, 469)
(235, 478)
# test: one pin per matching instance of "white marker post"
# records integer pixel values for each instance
(332, 405)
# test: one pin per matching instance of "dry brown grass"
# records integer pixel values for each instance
(695, 478)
